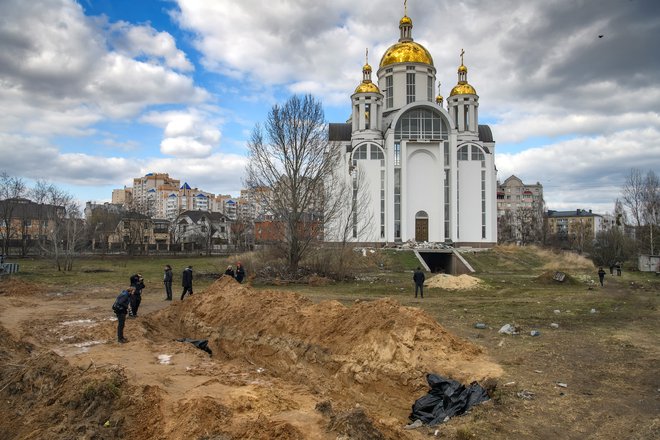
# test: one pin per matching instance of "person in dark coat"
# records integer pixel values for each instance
(120, 307)
(138, 283)
(167, 281)
(601, 276)
(240, 272)
(230, 271)
(418, 278)
(187, 281)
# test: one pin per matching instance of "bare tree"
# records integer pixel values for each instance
(65, 227)
(641, 195)
(633, 195)
(290, 154)
(351, 218)
(610, 247)
(11, 190)
(651, 204)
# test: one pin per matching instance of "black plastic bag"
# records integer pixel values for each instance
(446, 398)
(202, 344)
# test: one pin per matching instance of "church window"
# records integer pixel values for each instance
(463, 153)
(446, 147)
(429, 88)
(422, 124)
(410, 87)
(367, 112)
(447, 193)
(478, 154)
(376, 152)
(397, 153)
(389, 91)
(382, 203)
(360, 152)
(397, 203)
(483, 203)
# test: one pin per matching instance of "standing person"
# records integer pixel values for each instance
(240, 272)
(167, 281)
(601, 276)
(230, 271)
(186, 281)
(418, 278)
(120, 307)
(138, 283)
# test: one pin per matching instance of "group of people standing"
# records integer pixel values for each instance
(128, 301)
(238, 274)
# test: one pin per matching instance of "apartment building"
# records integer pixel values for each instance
(513, 193)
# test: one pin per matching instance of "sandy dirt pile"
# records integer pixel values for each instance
(451, 282)
(283, 367)
(376, 345)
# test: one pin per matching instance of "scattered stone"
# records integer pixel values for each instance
(554, 325)
(535, 333)
(561, 384)
(480, 325)
(557, 311)
(593, 311)
(508, 329)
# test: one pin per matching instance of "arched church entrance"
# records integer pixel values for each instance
(421, 226)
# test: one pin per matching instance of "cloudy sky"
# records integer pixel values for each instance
(96, 92)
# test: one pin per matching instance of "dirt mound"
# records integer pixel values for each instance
(451, 282)
(52, 399)
(12, 286)
(554, 277)
(346, 350)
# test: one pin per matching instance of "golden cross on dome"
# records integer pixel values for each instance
(405, 7)
(438, 87)
(366, 56)
(462, 53)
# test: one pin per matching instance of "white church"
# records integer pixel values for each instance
(426, 167)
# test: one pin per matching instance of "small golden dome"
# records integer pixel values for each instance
(406, 52)
(439, 99)
(462, 68)
(405, 20)
(367, 87)
(366, 67)
(463, 89)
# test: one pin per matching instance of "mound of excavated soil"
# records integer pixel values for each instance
(278, 360)
(11, 286)
(451, 282)
(376, 344)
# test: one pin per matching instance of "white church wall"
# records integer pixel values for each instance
(469, 201)
(423, 190)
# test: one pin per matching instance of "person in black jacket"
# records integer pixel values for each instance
(418, 278)
(120, 307)
(187, 281)
(230, 271)
(138, 283)
(167, 281)
(240, 272)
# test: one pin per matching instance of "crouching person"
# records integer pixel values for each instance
(120, 307)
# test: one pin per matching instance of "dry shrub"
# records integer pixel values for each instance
(564, 260)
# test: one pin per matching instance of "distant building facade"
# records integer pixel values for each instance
(157, 195)
(513, 194)
(576, 222)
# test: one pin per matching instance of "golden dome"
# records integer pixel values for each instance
(406, 52)
(463, 89)
(366, 67)
(367, 87)
(462, 68)
(439, 99)
(405, 20)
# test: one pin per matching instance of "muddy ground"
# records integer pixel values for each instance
(284, 367)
